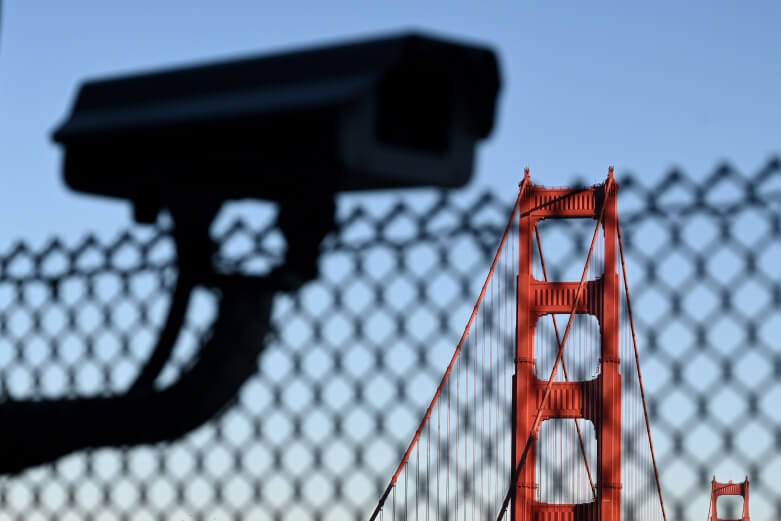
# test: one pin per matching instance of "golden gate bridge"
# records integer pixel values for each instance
(541, 413)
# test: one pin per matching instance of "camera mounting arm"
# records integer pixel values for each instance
(295, 128)
(223, 364)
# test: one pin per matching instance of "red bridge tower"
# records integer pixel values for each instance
(728, 489)
(597, 400)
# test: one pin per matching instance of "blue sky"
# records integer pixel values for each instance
(644, 88)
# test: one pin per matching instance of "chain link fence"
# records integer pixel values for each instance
(356, 354)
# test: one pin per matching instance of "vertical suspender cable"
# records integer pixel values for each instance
(480, 404)
(417, 483)
(474, 425)
(438, 507)
(406, 494)
(455, 356)
(491, 398)
(468, 479)
(447, 453)
(457, 494)
(639, 373)
(428, 468)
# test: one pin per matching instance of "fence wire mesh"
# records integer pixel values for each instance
(356, 354)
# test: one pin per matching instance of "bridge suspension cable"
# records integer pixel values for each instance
(469, 450)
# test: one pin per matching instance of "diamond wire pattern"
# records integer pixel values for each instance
(315, 434)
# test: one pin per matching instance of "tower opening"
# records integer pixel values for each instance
(562, 476)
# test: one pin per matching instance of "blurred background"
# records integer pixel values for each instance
(681, 99)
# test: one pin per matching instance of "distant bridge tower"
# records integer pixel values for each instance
(728, 489)
(597, 400)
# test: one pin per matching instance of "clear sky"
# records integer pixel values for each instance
(644, 88)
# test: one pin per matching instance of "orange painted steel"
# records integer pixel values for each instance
(728, 489)
(598, 400)
(522, 492)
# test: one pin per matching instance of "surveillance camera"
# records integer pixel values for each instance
(402, 111)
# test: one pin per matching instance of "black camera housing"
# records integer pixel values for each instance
(395, 112)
